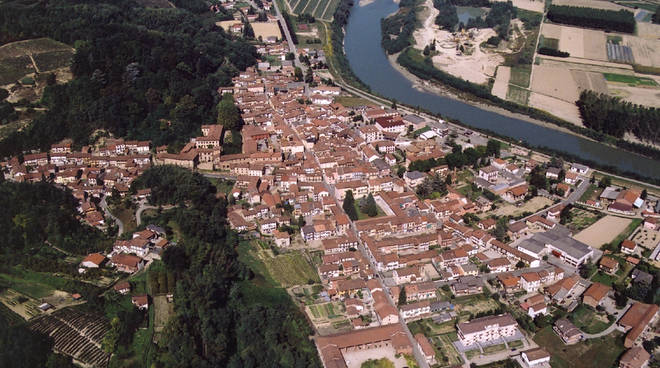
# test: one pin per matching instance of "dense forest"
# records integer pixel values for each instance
(224, 317)
(37, 215)
(397, 29)
(615, 117)
(140, 73)
(447, 17)
(498, 17)
(621, 21)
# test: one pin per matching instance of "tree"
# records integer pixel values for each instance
(349, 206)
(493, 148)
(298, 74)
(370, 207)
(644, 194)
(605, 182)
(403, 299)
(301, 221)
(565, 215)
(228, 114)
(309, 76)
(587, 269)
(520, 264)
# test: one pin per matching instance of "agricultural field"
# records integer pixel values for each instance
(20, 304)
(320, 9)
(582, 219)
(326, 312)
(162, 312)
(16, 58)
(76, 334)
(631, 80)
(603, 231)
(595, 353)
(517, 94)
(520, 76)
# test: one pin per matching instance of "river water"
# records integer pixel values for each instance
(369, 63)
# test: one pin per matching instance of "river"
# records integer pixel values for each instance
(370, 64)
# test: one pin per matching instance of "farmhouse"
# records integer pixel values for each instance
(127, 263)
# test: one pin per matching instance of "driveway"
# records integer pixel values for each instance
(106, 210)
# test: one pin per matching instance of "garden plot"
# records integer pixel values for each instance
(603, 231)
(646, 238)
(76, 334)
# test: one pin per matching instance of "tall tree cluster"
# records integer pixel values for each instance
(613, 116)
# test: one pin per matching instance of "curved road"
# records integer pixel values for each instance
(106, 210)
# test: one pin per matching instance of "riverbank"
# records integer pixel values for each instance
(445, 91)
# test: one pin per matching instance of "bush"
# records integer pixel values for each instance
(552, 52)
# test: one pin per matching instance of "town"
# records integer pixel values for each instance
(401, 237)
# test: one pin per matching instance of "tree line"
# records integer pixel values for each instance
(139, 73)
(223, 316)
(615, 117)
(397, 29)
(621, 21)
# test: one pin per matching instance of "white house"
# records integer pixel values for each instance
(535, 357)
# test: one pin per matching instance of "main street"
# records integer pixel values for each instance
(287, 35)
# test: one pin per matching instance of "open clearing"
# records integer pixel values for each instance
(533, 205)
(163, 311)
(291, 269)
(598, 353)
(603, 231)
(16, 61)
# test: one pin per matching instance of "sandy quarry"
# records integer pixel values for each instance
(603, 231)
(476, 68)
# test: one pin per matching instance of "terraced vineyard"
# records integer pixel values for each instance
(76, 334)
(320, 9)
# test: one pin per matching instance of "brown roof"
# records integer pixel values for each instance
(609, 263)
(635, 357)
(126, 260)
(636, 318)
(537, 353)
(597, 291)
(96, 258)
(424, 344)
(124, 285)
(629, 244)
(140, 299)
(360, 337)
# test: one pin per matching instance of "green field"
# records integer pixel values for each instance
(594, 353)
(517, 94)
(582, 218)
(551, 43)
(8, 317)
(591, 193)
(520, 75)
(362, 215)
(320, 9)
(492, 349)
(630, 80)
(586, 319)
(604, 278)
(31, 288)
(287, 269)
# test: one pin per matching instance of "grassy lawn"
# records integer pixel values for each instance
(29, 288)
(627, 232)
(430, 328)
(587, 320)
(472, 353)
(350, 101)
(603, 278)
(285, 270)
(494, 349)
(631, 80)
(590, 193)
(517, 94)
(551, 43)
(445, 350)
(515, 344)
(582, 219)
(594, 353)
(520, 75)
(223, 186)
(126, 216)
(362, 215)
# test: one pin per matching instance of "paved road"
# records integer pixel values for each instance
(287, 35)
(144, 206)
(106, 210)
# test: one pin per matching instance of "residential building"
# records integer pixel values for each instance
(486, 329)
(635, 321)
(635, 357)
(595, 294)
(567, 331)
(534, 357)
(426, 348)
